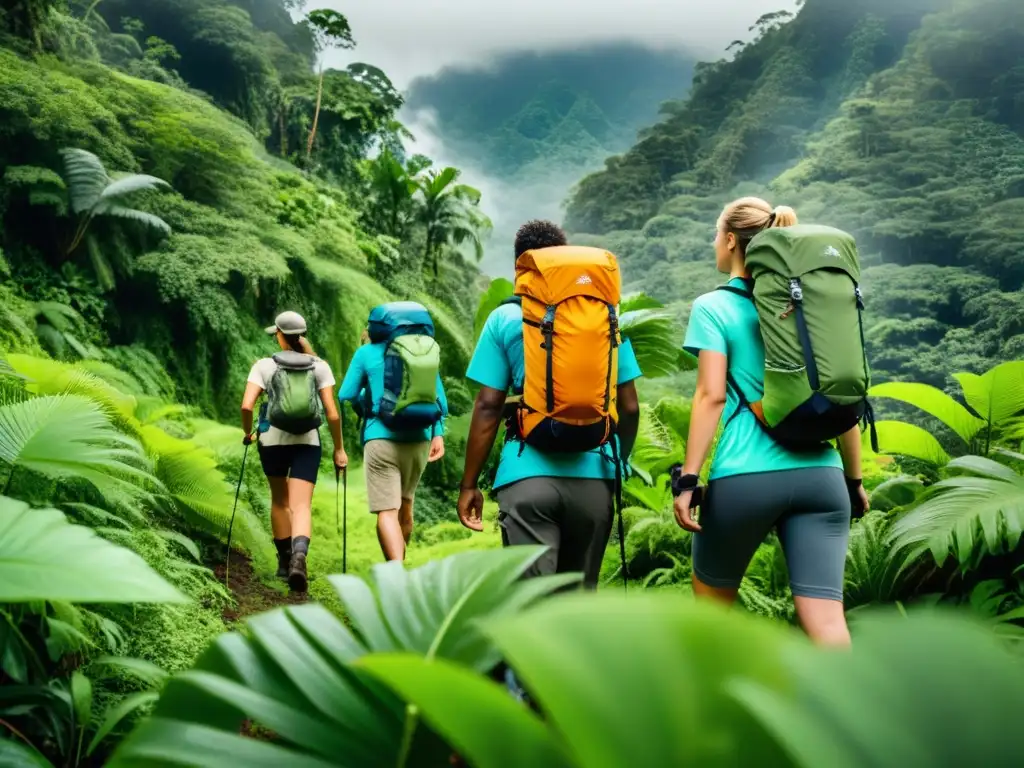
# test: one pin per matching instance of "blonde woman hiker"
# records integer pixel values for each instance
(300, 396)
(797, 288)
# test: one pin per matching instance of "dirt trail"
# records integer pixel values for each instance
(250, 593)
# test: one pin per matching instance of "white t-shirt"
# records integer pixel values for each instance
(261, 374)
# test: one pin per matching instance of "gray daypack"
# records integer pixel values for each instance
(293, 401)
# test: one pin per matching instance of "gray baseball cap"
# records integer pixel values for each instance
(288, 323)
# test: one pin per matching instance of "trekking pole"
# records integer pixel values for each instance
(344, 518)
(231, 526)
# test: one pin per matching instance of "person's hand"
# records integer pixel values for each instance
(340, 459)
(247, 439)
(436, 449)
(684, 515)
(471, 508)
(859, 501)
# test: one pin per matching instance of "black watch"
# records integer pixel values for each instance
(682, 482)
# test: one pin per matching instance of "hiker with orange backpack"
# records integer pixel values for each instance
(557, 346)
(780, 352)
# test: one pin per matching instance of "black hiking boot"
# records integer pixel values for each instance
(284, 556)
(283, 561)
(297, 572)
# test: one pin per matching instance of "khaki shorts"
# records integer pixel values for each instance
(393, 471)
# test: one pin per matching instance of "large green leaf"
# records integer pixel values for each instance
(291, 671)
(69, 436)
(879, 705)
(641, 680)
(658, 681)
(452, 696)
(85, 176)
(966, 516)
(43, 557)
(904, 439)
(998, 395)
(934, 402)
(499, 290)
(653, 335)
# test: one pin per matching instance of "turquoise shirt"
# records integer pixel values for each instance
(498, 363)
(367, 368)
(723, 322)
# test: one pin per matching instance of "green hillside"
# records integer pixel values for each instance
(533, 123)
(903, 122)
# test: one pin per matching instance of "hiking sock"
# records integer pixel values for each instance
(301, 544)
(284, 555)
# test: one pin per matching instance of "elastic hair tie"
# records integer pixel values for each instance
(771, 220)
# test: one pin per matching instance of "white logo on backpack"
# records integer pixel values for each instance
(583, 280)
(833, 252)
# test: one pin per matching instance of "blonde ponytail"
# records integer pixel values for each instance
(747, 216)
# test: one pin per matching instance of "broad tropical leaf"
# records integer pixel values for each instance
(998, 395)
(934, 402)
(291, 672)
(966, 516)
(43, 557)
(499, 290)
(654, 338)
(706, 687)
(68, 436)
(86, 178)
(137, 182)
(902, 439)
(14, 754)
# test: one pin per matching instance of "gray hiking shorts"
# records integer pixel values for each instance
(810, 510)
(571, 516)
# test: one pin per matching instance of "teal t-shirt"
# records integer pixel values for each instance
(724, 322)
(498, 363)
(367, 369)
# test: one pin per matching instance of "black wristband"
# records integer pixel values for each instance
(853, 483)
(680, 482)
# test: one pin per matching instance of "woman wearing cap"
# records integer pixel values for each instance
(291, 462)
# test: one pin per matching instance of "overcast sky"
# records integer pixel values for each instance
(407, 38)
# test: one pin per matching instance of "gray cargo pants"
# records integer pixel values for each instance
(571, 516)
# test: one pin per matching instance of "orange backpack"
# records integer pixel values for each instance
(570, 297)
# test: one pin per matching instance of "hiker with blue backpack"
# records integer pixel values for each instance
(300, 395)
(573, 414)
(780, 351)
(394, 385)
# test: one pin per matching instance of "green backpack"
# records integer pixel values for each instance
(806, 288)
(293, 401)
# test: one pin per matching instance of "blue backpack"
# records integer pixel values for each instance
(412, 359)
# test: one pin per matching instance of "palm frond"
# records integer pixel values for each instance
(967, 516)
(69, 436)
(86, 178)
(131, 214)
(137, 182)
(653, 336)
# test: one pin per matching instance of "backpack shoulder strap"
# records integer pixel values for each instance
(745, 292)
(512, 300)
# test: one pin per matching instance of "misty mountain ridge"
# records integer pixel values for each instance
(533, 123)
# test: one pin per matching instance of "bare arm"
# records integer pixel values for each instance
(849, 449)
(483, 428)
(252, 393)
(706, 412)
(332, 416)
(629, 416)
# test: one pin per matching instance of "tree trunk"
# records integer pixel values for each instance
(316, 113)
(284, 134)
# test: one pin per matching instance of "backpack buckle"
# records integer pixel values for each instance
(860, 297)
(796, 293)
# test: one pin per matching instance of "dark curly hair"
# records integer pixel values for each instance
(538, 234)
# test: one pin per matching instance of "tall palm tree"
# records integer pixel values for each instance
(93, 193)
(451, 214)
